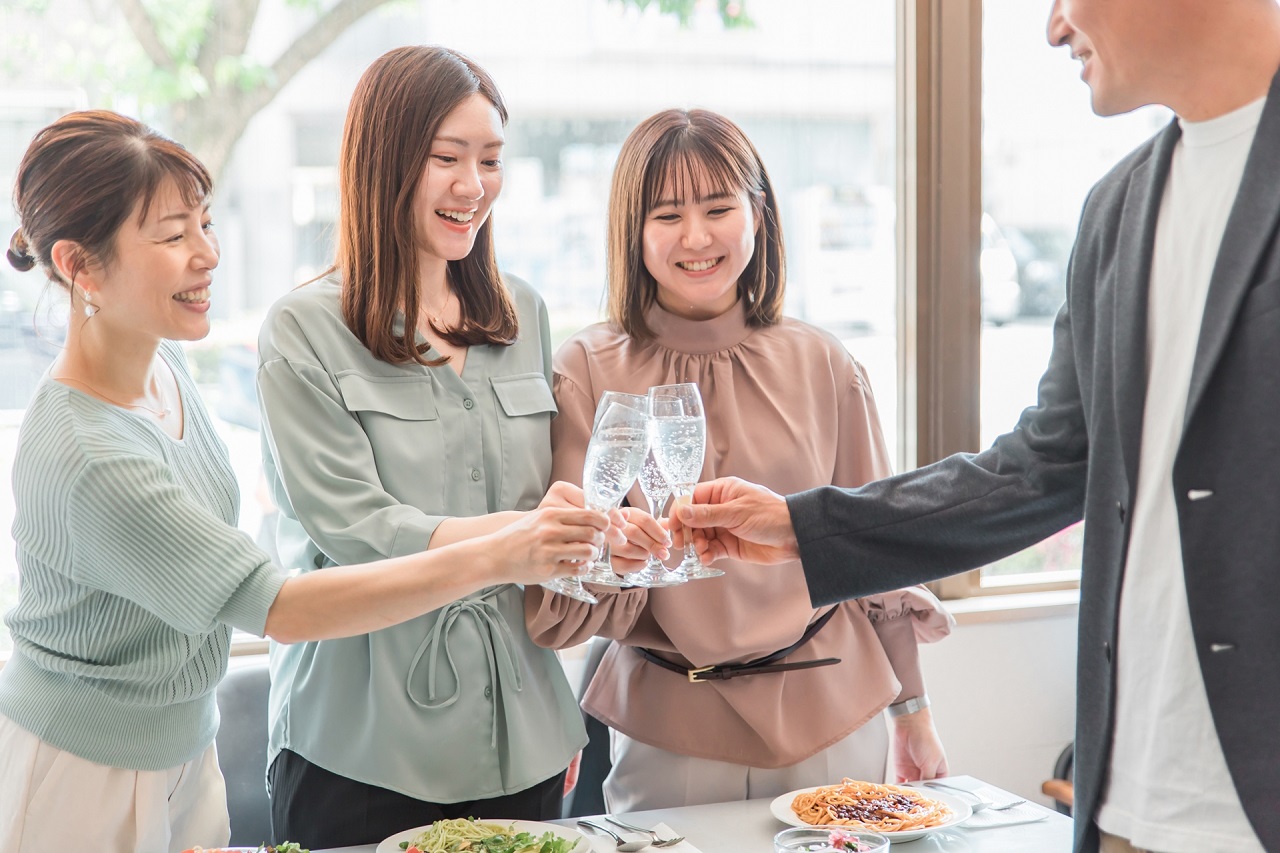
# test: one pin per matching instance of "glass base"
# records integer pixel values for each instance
(694, 569)
(655, 575)
(571, 587)
(603, 574)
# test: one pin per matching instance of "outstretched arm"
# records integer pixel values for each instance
(346, 600)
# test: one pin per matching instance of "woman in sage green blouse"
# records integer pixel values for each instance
(133, 573)
(406, 405)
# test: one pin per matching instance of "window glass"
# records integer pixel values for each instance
(1042, 149)
(812, 84)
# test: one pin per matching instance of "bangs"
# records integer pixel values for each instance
(162, 158)
(690, 168)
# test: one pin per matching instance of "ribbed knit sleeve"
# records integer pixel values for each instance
(136, 533)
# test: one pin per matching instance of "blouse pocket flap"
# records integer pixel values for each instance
(524, 394)
(406, 399)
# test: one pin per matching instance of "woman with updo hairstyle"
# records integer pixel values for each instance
(736, 687)
(132, 571)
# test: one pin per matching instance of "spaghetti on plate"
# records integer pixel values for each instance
(866, 805)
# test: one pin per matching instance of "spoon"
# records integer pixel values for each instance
(623, 846)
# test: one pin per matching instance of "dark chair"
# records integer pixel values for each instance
(588, 797)
(1060, 787)
(242, 752)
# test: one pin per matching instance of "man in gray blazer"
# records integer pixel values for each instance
(1158, 421)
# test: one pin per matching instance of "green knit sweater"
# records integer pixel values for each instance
(132, 575)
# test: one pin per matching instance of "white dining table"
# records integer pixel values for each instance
(748, 827)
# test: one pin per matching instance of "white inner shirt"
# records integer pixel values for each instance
(1168, 788)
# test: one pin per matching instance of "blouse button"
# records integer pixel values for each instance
(488, 693)
(475, 473)
(468, 404)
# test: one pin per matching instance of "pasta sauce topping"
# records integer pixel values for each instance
(866, 805)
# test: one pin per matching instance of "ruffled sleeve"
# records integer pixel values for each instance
(902, 619)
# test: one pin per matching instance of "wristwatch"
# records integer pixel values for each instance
(910, 706)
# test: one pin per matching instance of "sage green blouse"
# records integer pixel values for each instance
(365, 459)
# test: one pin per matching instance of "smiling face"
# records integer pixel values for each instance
(697, 247)
(157, 282)
(1128, 48)
(462, 179)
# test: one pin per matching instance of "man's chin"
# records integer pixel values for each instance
(1108, 105)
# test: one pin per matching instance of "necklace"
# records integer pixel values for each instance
(434, 317)
(159, 413)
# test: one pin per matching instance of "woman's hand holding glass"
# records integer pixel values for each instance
(656, 489)
(645, 539)
(549, 542)
(678, 430)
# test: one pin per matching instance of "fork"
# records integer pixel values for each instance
(980, 802)
(657, 842)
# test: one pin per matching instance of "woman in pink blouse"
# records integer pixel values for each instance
(696, 282)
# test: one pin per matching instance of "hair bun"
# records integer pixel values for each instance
(19, 254)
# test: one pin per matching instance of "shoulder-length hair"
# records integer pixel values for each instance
(689, 155)
(394, 116)
(80, 179)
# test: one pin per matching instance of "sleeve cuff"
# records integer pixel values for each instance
(414, 536)
(897, 637)
(247, 607)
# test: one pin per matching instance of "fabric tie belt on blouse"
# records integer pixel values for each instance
(495, 636)
(768, 663)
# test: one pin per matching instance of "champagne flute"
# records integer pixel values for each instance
(601, 570)
(615, 455)
(573, 587)
(656, 490)
(679, 430)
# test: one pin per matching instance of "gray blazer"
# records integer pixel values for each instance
(1076, 453)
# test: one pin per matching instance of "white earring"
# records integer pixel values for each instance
(89, 308)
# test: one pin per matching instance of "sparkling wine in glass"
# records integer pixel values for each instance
(656, 490)
(678, 430)
(601, 571)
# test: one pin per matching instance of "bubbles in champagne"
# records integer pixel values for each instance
(679, 445)
(614, 458)
(653, 482)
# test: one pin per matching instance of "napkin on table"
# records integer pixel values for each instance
(988, 818)
(604, 844)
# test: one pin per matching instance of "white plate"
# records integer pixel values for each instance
(960, 812)
(581, 845)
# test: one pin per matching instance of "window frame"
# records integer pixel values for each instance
(939, 189)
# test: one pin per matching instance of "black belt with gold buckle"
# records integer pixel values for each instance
(768, 663)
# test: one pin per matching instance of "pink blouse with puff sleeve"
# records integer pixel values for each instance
(787, 407)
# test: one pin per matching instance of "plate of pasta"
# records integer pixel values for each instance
(487, 836)
(901, 813)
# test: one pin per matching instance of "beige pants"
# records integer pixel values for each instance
(52, 800)
(646, 777)
(1116, 844)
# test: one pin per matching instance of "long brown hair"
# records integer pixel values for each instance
(668, 155)
(396, 110)
(80, 179)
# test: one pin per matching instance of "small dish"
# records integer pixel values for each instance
(812, 839)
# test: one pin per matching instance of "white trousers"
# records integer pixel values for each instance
(646, 777)
(53, 800)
